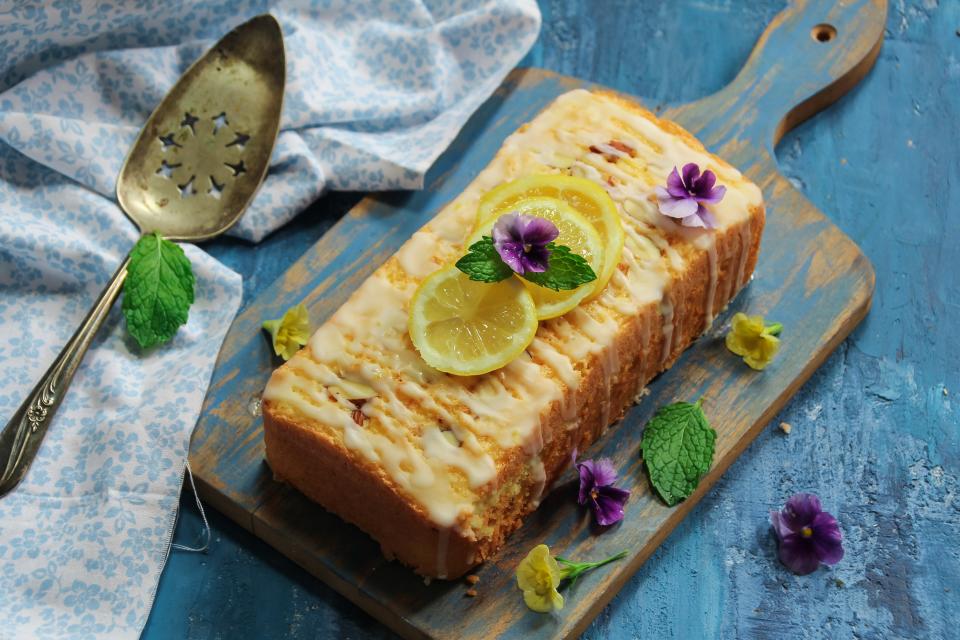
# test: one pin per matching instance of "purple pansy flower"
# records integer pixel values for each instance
(522, 240)
(684, 198)
(596, 487)
(808, 535)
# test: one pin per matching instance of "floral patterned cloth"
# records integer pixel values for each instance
(376, 90)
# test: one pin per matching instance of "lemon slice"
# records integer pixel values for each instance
(468, 328)
(576, 232)
(587, 197)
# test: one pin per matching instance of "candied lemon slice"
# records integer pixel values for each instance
(576, 232)
(468, 328)
(587, 197)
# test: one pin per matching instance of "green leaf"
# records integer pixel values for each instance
(158, 291)
(483, 263)
(677, 448)
(566, 270)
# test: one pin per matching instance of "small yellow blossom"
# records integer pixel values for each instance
(755, 341)
(538, 576)
(290, 332)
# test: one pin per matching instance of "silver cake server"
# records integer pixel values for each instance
(192, 171)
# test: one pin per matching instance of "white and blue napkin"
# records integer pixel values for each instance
(375, 92)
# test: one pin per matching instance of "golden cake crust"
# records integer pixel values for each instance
(318, 463)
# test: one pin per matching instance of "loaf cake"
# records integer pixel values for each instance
(440, 469)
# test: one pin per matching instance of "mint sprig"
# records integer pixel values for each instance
(677, 447)
(158, 291)
(483, 263)
(566, 270)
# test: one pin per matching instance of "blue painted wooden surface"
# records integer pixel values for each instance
(810, 272)
(874, 433)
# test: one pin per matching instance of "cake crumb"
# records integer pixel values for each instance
(843, 161)
(945, 392)
(840, 583)
(786, 427)
(471, 593)
(473, 579)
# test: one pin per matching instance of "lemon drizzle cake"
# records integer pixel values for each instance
(439, 469)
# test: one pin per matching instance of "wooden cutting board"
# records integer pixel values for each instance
(810, 276)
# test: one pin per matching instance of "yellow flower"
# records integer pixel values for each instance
(755, 341)
(538, 576)
(290, 332)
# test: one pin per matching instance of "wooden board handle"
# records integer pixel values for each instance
(812, 53)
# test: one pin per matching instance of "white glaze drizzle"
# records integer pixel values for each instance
(408, 426)
(666, 312)
(746, 232)
(539, 475)
(411, 254)
(708, 243)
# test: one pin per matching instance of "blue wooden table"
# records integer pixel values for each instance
(875, 432)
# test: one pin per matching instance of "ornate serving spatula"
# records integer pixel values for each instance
(192, 171)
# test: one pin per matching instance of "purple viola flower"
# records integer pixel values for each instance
(596, 487)
(685, 197)
(522, 240)
(807, 534)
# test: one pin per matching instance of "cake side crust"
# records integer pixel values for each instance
(358, 491)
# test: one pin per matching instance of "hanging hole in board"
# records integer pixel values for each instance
(823, 32)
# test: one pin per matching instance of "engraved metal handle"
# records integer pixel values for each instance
(20, 439)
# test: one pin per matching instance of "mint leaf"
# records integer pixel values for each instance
(566, 270)
(677, 448)
(483, 263)
(158, 291)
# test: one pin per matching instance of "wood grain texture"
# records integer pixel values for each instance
(810, 271)
(719, 567)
